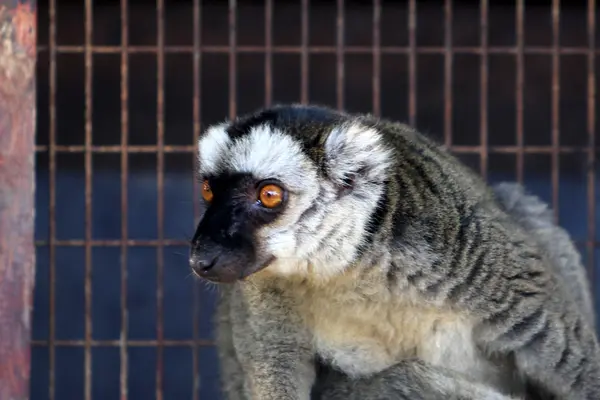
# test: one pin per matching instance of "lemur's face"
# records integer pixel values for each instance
(291, 189)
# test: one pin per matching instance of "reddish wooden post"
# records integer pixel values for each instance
(17, 182)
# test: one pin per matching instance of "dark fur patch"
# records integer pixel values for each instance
(233, 213)
(284, 117)
(377, 218)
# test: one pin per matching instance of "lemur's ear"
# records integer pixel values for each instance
(356, 153)
(211, 146)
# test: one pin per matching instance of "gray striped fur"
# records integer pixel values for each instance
(416, 267)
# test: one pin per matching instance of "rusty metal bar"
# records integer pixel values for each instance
(412, 62)
(232, 50)
(304, 53)
(516, 149)
(339, 54)
(257, 49)
(112, 243)
(268, 52)
(377, 58)
(18, 32)
(448, 58)
(197, 64)
(167, 242)
(134, 243)
(555, 105)
(88, 199)
(52, 200)
(483, 116)
(591, 128)
(117, 149)
(130, 343)
(520, 83)
(160, 183)
(124, 360)
(541, 149)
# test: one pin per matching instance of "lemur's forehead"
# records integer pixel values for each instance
(264, 151)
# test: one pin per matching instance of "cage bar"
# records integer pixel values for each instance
(483, 87)
(356, 49)
(412, 62)
(18, 30)
(555, 104)
(130, 343)
(196, 186)
(304, 53)
(52, 46)
(123, 356)
(160, 189)
(376, 58)
(233, 49)
(88, 198)
(268, 52)
(136, 243)
(339, 54)
(448, 59)
(520, 83)
(591, 128)
(151, 149)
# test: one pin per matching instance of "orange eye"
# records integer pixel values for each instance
(207, 193)
(271, 195)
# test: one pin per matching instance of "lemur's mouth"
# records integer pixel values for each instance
(246, 272)
(224, 270)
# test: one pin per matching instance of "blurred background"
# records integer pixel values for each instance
(125, 87)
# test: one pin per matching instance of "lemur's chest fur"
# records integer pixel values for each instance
(361, 332)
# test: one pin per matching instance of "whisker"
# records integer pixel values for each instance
(180, 253)
(188, 275)
(185, 234)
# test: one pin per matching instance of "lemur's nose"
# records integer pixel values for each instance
(202, 265)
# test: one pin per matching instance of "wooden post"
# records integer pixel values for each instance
(17, 182)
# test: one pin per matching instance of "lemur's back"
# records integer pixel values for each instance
(536, 217)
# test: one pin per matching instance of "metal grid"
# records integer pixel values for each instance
(305, 50)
